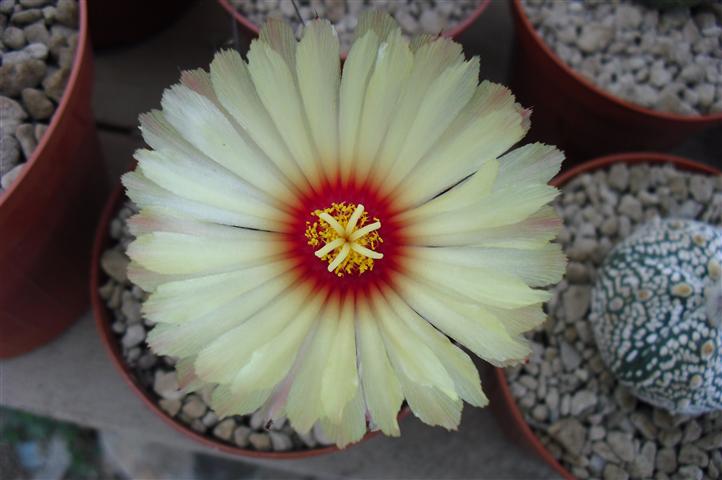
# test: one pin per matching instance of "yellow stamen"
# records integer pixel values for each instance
(346, 248)
(364, 231)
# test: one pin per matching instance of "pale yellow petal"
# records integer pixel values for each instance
(477, 285)
(468, 324)
(207, 128)
(411, 357)
(535, 267)
(340, 380)
(381, 388)
(184, 300)
(318, 67)
(535, 163)
(145, 193)
(356, 73)
(533, 232)
(305, 399)
(269, 364)
(470, 191)
(226, 403)
(501, 207)
(189, 338)
(204, 184)
(458, 364)
(176, 253)
(490, 123)
(393, 65)
(276, 86)
(235, 90)
(352, 426)
(224, 357)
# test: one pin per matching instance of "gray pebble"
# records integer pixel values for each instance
(133, 336)
(40, 129)
(280, 442)
(225, 429)
(10, 177)
(692, 432)
(241, 436)
(9, 154)
(14, 37)
(570, 357)
(115, 264)
(171, 407)
(11, 115)
(582, 402)
(643, 464)
(644, 425)
(260, 441)
(165, 384)
(692, 455)
(194, 407)
(631, 207)
(570, 433)
(666, 460)
(37, 33)
(37, 103)
(614, 472)
(25, 134)
(54, 84)
(576, 302)
(689, 472)
(622, 445)
(24, 17)
(17, 76)
(66, 12)
(712, 441)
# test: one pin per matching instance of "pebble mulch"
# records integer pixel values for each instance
(667, 60)
(594, 426)
(38, 39)
(157, 374)
(414, 16)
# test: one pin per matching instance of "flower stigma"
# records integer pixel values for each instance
(344, 238)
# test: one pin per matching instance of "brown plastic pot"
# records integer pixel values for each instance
(103, 322)
(252, 30)
(117, 23)
(581, 118)
(506, 410)
(47, 218)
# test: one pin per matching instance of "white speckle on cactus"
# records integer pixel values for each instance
(657, 315)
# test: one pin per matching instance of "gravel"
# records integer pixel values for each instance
(594, 426)
(37, 47)
(156, 374)
(667, 60)
(414, 16)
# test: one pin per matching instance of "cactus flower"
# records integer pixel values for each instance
(320, 242)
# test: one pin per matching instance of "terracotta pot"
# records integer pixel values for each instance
(251, 29)
(103, 321)
(502, 401)
(113, 24)
(581, 118)
(47, 218)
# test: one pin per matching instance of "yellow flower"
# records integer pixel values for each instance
(314, 238)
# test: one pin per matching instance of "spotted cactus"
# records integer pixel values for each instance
(657, 315)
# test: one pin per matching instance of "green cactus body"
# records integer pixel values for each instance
(657, 315)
